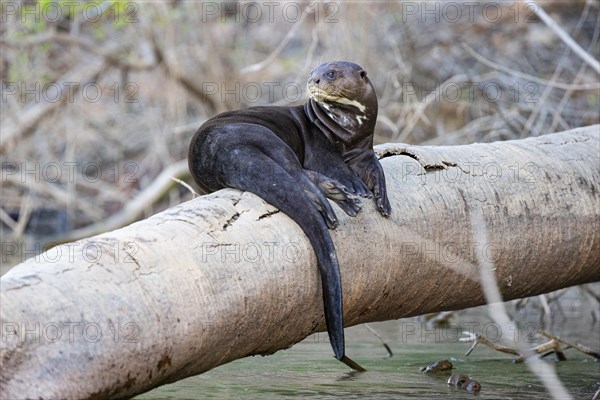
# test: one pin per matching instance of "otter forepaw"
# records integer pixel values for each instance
(350, 204)
(383, 205)
(361, 189)
(381, 198)
(374, 177)
(343, 196)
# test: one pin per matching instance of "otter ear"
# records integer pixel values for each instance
(363, 73)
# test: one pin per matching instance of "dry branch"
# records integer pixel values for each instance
(31, 115)
(110, 55)
(545, 82)
(477, 339)
(577, 346)
(564, 36)
(226, 276)
(552, 345)
(135, 207)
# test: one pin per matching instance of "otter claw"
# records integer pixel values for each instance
(383, 205)
(332, 223)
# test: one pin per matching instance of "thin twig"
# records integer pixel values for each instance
(498, 313)
(419, 113)
(523, 355)
(564, 36)
(108, 54)
(61, 196)
(374, 332)
(134, 207)
(476, 338)
(552, 345)
(186, 185)
(577, 346)
(24, 214)
(7, 219)
(557, 118)
(258, 66)
(590, 292)
(510, 71)
(579, 77)
(27, 118)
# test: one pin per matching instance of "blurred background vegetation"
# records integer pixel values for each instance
(101, 97)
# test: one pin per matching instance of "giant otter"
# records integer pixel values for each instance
(294, 157)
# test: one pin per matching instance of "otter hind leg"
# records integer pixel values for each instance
(319, 202)
(337, 192)
(290, 190)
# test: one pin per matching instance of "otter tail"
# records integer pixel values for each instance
(279, 179)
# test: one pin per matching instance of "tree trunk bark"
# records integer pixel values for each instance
(226, 275)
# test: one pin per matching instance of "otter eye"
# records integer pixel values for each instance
(330, 74)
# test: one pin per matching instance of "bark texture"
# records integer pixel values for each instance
(226, 275)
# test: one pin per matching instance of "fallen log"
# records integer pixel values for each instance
(226, 275)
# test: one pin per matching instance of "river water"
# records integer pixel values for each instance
(308, 370)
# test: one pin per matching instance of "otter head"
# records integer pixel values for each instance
(343, 99)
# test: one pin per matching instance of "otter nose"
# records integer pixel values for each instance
(314, 80)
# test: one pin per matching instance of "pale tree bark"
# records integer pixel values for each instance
(226, 276)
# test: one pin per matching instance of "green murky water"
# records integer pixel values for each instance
(309, 371)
